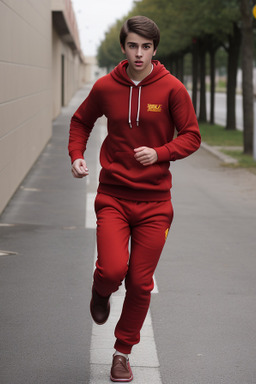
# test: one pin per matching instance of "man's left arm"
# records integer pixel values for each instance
(188, 139)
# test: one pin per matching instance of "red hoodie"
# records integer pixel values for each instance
(143, 115)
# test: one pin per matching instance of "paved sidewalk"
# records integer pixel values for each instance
(45, 274)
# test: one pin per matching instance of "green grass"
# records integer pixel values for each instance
(217, 135)
(244, 161)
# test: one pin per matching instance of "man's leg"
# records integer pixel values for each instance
(113, 233)
(147, 241)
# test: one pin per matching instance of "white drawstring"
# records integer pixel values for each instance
(138, 111)
(130, 108)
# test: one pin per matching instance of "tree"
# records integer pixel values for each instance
(233, 49)
(247, 69)
(195, 55)
(202, 52)
(109, 52)
(213, 46)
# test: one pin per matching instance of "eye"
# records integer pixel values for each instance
(132, 46)
(146, 46)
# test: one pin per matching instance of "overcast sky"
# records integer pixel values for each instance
(94, 17)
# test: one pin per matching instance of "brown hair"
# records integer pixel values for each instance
(143, 26)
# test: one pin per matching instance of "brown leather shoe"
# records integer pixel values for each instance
(121, 370)
(100, 307)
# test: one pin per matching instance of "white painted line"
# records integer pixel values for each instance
(90, 217)
(155, 290)
(26, 189)
(143, 359)
(7, 253)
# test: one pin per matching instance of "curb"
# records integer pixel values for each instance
(220, 155)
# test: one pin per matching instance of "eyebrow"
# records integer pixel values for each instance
(132, 42)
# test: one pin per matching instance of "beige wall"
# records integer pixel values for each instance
(31, 50)
(68, 81)
(25, 89)
(91, 70)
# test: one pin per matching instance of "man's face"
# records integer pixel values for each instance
(139, 51)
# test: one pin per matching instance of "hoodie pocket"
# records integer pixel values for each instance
(128, 170)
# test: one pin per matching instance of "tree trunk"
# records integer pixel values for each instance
(171, 66)
(177, 66)
(212, 80)
(202, 114)
(194, 74)
(247, 68)
(233, 56)
(181, 68)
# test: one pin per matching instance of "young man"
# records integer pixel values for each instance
(143, 104)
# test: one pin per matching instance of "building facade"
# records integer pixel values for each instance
(41, 67)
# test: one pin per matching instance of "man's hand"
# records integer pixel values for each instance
(145, 155)
(79, 169)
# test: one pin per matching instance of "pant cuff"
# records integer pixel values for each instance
(121, 347)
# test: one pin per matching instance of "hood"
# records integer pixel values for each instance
(119, 74)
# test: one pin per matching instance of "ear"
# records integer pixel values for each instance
(122, 48)
(154, 52)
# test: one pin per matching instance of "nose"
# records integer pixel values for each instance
(139, 52)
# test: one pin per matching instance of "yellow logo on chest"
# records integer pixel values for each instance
(154, 108)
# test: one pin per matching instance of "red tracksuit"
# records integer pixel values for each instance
(133, 201)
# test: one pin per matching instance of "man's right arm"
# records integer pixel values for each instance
(81, 125)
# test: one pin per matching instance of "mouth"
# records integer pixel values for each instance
(138, 63)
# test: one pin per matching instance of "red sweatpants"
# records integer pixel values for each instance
(146, 225)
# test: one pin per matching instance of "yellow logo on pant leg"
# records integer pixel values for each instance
(154, 108)
(166, 233)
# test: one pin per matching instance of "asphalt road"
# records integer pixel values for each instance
(204, 314)
(221, 108)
